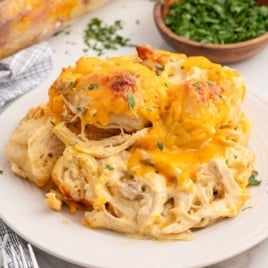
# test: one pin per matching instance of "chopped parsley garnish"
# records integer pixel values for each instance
(252, 179)
(1, 171)
(93, 86)
(160, 145)
(109, 167)
(245, 208)
(131, 101)
(65, 31)
(100, 36)
(218, 21)
(197, 85)
(159, 67)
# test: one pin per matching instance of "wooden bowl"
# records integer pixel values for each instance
(219, 53)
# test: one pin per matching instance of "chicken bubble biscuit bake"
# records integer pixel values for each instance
(152, 144)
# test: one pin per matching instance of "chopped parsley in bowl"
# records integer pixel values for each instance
(218, 21)
(225, 31)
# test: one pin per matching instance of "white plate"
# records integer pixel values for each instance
(62, 235)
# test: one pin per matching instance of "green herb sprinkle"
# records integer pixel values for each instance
(160, 145)
(131, 101)
(252, 179)
(100, 36)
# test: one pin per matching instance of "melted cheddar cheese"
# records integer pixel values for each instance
(101, 88)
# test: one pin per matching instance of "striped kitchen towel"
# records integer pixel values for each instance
(24, 70)
(7, 239)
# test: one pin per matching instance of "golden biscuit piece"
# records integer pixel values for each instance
(33, 148)
(114, 93)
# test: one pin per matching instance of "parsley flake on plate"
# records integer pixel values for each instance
(252, 179)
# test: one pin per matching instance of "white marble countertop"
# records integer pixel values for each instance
(67, 48)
